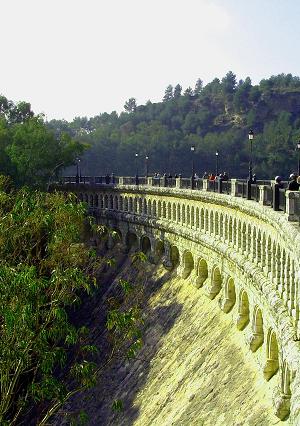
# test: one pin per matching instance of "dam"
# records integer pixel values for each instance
(235, 263)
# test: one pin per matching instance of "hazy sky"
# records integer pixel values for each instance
(83, 57)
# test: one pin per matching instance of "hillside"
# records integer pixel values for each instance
(215, 117)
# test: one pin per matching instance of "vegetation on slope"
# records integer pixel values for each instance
(45, 270)
(215, 117)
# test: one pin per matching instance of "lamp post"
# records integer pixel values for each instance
(137, 170)
(193, 167)
(147, 166)
(298, 149)
(217, 163)
(250, 177)
(77, 170)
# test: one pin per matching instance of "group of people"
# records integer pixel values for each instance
(210, 176)
(294, 182)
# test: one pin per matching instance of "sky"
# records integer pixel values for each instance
(73, 58)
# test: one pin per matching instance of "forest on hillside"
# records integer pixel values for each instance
(214, 117)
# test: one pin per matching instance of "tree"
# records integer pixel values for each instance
(198, 87)
(130, 105)
(177, 91)
(188, 92)
(229, 83)
(168, 93)
(36, 153)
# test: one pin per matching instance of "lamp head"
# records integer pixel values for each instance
(250, 135)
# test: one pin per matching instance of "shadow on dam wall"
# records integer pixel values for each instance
(121, 379)
(191, 369)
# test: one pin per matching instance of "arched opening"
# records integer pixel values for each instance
(91, 201)
(154, 208)
(229, 296)
(257, 337)
(121, 203)
(188, 264)
(174, 212)
(144, 207)
(146, 245)
(178, 213)
(272, 363)
(130, 205)
(243, 312)
(202, 273)
(131, 241)
(96, 200)
(283, 400)
(159, 209)
(149, 208)
(115, 237)
(174, 255)
(169, 211)
(111, 202)
(159, 249)
(216, 283)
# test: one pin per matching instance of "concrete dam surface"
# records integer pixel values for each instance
(222, 336)
(193, 369)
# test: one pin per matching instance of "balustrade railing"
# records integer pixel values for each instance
(263, 191)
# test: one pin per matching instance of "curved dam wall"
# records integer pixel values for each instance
(239, 253)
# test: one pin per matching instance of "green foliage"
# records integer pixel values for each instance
(40, 276)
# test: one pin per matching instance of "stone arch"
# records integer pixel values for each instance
(145, 245)
(101, 201)
(282, 401)
(272, 362)
(257, 337)
(141, 205)
(174, 256)
(154, 208)
(111, 202)
(116, 237)
(202, 273)
(230, 229)
(126, 204)
(192, 216)
(202, 224)
(130, 205)
(229, 296)
(91, 203)
(211, 222)
(249, 239)
(96, 200)
(174, 212)
(221, 230)
(243, 311)
(188, 264)
(164, 210)
(106, 201)
(116, 202)
(197, 218)
(149, 208)
(169, 211)
(121, 203)
(206, 221)
(135, 205)
(216, 283)
(226, 226)
(145, 207)
(159, 209)
(216, 220)
(239, 235)
(244, 237)
(178, 213)
(183, 213)
(132, 240)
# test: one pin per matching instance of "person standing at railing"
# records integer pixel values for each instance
(293, 184)
(278, 181)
